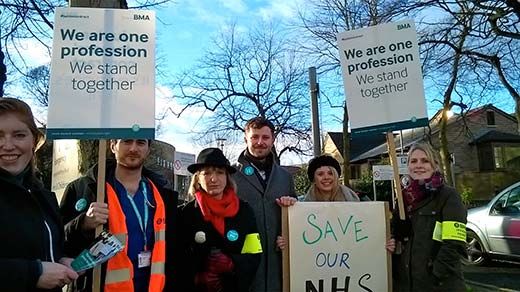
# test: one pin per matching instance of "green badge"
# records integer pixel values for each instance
(232, 235)
(136, 128)
(249, 170)
(81, 204)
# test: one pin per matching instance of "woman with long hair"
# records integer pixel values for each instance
(434, 233)
(31, 241)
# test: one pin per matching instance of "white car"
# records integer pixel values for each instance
(493, 230)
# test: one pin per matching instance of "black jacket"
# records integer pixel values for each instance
(24, 239)
(426, 264)
(77, 240)
(193, 255)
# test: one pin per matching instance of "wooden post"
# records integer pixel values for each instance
(102, 155)
(286, 273)
(397, 184)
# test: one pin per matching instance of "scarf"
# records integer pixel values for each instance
(418, 190)
(215, 210)
(266, 164)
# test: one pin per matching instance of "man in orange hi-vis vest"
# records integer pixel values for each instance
(139, 209)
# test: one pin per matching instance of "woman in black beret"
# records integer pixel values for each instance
(324, 172)
(219, 243)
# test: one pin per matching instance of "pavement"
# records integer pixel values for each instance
(479, 287)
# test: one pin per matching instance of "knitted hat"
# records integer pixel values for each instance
(211, 157)
(323, 160)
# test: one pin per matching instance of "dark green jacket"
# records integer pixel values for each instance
(426, 264)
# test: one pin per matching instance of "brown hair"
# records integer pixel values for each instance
(258, 123)
(23, 112)
(195, 185)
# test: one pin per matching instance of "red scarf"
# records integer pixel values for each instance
(215, 210)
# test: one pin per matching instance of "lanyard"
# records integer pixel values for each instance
(142, 223)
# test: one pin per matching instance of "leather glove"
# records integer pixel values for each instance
(219, 263)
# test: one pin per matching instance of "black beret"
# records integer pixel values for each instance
(323, 160)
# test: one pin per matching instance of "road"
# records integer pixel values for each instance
(496, 276)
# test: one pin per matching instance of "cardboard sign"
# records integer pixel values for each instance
(338, 246)
(102, 82)
(382, 78)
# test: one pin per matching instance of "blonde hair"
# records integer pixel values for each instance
(428, 150)
(195, 181)
(319, 195)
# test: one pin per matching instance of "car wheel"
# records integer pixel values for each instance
(475, 253)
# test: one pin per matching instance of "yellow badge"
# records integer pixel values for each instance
(252, 244)
(453, 230)
(437, 232)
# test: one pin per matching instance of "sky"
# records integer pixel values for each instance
(184, 30)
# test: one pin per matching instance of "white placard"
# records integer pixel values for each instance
(382, 78)
(338, 246)
(102, 81)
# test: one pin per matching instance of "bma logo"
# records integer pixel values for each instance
(141, 17)
(403, 26)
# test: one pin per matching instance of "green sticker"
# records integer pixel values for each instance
(249, 170)
(232, 235)
(81, 204)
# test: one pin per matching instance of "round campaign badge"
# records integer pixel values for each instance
(249, 170)
(81, 204)
(200, 237)
(232, 235)
(136, 128)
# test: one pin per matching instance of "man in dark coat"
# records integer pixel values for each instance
(82, 214)
(260, 182)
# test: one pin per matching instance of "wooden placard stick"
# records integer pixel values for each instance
(397, 184)
(102, 155)
(285, 252)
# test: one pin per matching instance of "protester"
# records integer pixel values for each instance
(31, 241)
(324, 172)
(219, 237)
(434, 232)
(137, 210)
(260, 181)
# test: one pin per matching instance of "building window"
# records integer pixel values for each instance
(506, 157)
(490, 118)
(355, 171)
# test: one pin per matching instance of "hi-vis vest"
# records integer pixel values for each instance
(120, 270)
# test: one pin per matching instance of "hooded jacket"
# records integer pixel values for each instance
(76, 240)
(31, 232)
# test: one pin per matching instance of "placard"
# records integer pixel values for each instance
(382, 78)
(338, 246)
(102, 82)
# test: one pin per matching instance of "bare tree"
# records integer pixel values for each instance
(37, 84)
(321, 21)
(23, 21)
(245, 75)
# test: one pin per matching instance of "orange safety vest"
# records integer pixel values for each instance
(120, 270)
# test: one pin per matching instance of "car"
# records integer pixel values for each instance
(493, 230)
